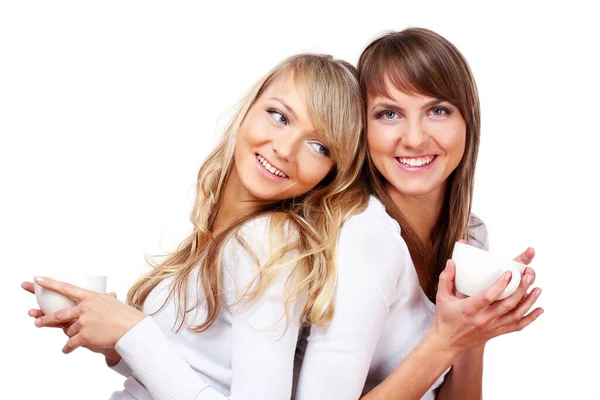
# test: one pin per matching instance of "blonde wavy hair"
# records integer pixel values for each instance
(335, 107)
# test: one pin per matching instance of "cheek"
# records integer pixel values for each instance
(242, 140)
(247, 142)
(456, 145)
(380, 141)
(254, 131)
(451, 138)
(312, 169)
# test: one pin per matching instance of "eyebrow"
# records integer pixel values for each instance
(383, 104)
(288, 108)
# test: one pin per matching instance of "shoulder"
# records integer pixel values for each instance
(478, 233)
(371, 246)
(374, 219)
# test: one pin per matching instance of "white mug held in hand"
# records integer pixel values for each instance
(51, 301)
(477, 269)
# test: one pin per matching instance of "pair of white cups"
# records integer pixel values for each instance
(476, 270)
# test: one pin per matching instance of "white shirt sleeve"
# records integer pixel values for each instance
(121, 368)
(371, 259)
(262, 348)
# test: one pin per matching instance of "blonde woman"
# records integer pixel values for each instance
(398, 326)
(220, 317)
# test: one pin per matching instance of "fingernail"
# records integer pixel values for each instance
(38, 322)
(529, 279)
(507, 275)
(39, 279)
(537, 293)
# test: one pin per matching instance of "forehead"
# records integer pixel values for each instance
(285, 86)
(288, 92)
(392, 93)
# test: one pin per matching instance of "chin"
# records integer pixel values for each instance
(416, 189)
(264, 196)
(270, 195)
(416, 192)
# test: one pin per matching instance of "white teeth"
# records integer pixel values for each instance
(269, 167)
(415, 162)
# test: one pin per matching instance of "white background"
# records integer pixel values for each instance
(107, 110)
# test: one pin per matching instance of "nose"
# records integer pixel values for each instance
(284, 146)
(413, 135)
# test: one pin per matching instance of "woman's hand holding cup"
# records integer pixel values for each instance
(464, 323)
(111, 355)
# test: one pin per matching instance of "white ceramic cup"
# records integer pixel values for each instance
(477, 270)
(51, 301)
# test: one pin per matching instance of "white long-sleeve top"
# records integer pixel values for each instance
(247, 353)
(381, 312)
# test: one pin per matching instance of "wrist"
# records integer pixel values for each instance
(442, 347)
(112, 358)
(471, 355)
(127, 323)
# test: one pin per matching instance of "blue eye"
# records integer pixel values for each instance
(388, 115)
(439, 111)
(319, 148)
(277, 116)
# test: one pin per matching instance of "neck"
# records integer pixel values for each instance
(235, 203)
(421, 212)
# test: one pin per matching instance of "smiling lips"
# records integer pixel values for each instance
(269, 167)
(409, 162)
(416, 162)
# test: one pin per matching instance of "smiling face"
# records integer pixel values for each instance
(415, 141)
(278, 153)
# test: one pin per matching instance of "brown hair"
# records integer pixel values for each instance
(418, 60)
(335, 108)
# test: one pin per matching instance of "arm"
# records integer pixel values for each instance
(464, 379)
(262, 366)
(110, 324)
(457, 337)
(370, 260)
(112, 358)
(416, 373)
(153, 361)
(117, 364)
(263, 341)
(103, 322)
